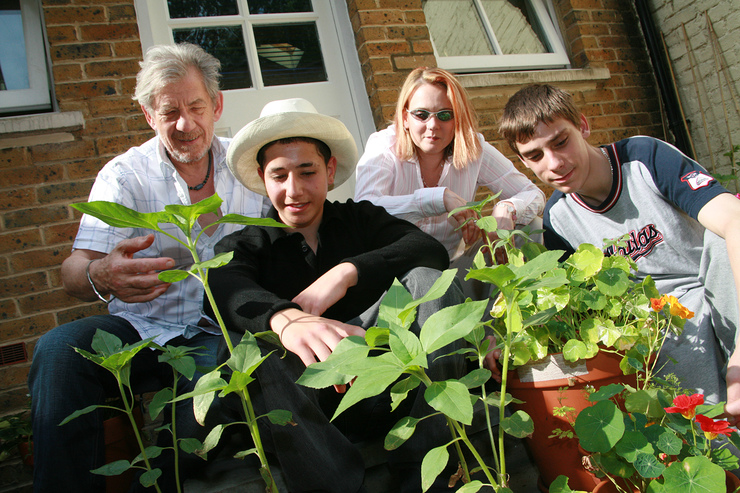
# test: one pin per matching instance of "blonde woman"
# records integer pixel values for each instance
(432, 159)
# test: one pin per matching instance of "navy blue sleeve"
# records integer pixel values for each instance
(680, 179)
(554, 241)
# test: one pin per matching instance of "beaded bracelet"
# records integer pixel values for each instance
(89, 279)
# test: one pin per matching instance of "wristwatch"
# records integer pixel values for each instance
(510, 209)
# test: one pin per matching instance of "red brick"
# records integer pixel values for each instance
(15, 241)
(60, 233)
(40, 258)
(104, 126)
(62, 151)
(128, 49)
(80, 51)
(64, 192)
(31, 175)
(118, 144)
(74, 15)
(87, 90)
(42, 302)
(80, 310)
(106, 32)
(68, 72)
(113, 106)
(113, 68)
(17, 198)
(14, 375)
(8, 309)
(86, 168)
(387, 48)
(118, 13)
(14, 157)
(34, 217)
(62, 34)
(23, 284)
(23, 328)
(381, 17)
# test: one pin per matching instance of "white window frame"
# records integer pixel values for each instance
(544, 12)
(37, 96)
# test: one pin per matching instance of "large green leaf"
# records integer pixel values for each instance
(586, 261)
(632, 444)
(438, 289)
(451, 398)
(395, 301)
(612, 282)
(648, 466)
(600, 426)
(369, 385)
(519, 424)
(120, 216)
(432, 466)
(401, 431)
(450, 324)
(694, 475)
(335, 369)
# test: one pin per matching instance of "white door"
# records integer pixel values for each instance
(270, 49)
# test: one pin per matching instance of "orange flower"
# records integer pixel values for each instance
(657, 304)
(712, 428)
(686, 405)
(677, 309)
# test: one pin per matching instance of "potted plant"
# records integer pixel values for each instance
(16, 434)
(654, 437)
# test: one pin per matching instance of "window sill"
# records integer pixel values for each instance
(471, 81)
(47, 128)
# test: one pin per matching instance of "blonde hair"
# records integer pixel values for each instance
(530, 106)
(465, 146)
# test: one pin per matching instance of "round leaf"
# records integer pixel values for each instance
(600, 426)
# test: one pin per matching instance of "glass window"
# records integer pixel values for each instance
(289, 54)
(484, 35)
(255, 50)
(226, 44)
(24, 85)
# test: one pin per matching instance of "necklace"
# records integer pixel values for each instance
(435, 170)
(208, 175)
(608, 159)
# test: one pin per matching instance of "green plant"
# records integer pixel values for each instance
(14, 430)
(732, 154)
(639, 441)
(244, 358)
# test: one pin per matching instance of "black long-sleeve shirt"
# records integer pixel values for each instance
(272, 265)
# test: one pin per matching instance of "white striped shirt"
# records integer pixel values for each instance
(396, 185)
(145, 180)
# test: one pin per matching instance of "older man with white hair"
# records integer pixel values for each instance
(178, 90)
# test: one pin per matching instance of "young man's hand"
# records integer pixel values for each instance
(311, 337)
(327, 289)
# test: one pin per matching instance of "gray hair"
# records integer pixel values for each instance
(164, 64)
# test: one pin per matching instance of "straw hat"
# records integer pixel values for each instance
(283, 119)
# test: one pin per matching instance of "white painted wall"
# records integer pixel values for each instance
(671, 17)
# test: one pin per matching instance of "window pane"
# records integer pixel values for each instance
(204, 8)
(289, 54)
(226, 44)
(516, 29)
(13, 63)
(456, 28)
(279, 6)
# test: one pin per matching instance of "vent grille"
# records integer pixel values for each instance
(13, 353)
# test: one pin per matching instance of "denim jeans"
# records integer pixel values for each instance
(62, 381)
(319, 455)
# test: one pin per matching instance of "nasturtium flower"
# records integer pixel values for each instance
(712, 428)
(686, 405)
(657, 304)
(677, 309)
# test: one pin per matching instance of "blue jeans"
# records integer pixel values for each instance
(62, 381)
(319, 455)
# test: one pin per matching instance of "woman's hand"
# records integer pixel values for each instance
(470, 232)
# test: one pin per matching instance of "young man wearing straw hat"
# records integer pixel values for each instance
(683, 226)
(316, 282)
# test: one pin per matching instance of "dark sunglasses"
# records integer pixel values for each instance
(424, 115)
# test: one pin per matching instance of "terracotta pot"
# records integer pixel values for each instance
(539, 386)
(731, 481)
(120, 443)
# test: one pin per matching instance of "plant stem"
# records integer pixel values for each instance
(476, 455)
(129, 412)
(174, 434)
(254, 431)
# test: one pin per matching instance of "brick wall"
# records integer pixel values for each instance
(696, 70)
(94, 49)
(392, 38)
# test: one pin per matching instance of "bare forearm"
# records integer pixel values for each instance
(74, 277)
